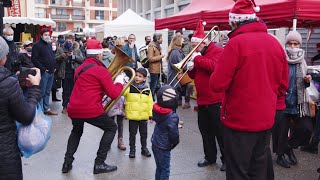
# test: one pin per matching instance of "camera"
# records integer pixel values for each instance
(24, 72)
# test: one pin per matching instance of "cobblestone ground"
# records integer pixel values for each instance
(47, 164)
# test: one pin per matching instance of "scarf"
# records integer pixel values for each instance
(296, 56)
(141, 86)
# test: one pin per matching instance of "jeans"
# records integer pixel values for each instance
(45, 86)
(143, 130)
(162, 158)
(186, 90)
(154, 83)
(68, 83)
(103, 122)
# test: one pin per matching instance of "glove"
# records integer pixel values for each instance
(195, 54)
(120, 78)
(190, 65)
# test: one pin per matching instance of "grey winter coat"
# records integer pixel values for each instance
(107, 57)
(175, 57)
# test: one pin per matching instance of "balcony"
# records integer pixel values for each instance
(60, 16)
(68, 5)
(99, 4)
(78, 4)
(78, 17)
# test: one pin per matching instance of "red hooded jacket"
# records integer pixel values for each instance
(89, 88)
(251, 73)
(203, 67)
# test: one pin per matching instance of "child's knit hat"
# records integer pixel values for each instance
(167, 97)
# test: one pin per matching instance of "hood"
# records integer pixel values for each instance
(75, 46)
(250, 27)
(4, 73)
(160, 113)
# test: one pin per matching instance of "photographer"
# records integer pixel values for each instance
(14, 107)
(69, 57)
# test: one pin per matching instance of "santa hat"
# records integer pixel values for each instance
(199, 34)
(243, 10)
(94, 46)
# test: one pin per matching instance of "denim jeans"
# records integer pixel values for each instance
(162, 158)
(46, 85)
(186, 90)
(153, 84)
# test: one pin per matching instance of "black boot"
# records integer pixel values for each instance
(132, 153)
(66, 167)
(281, 161)
(103, 168)
(223, 167)
(292, 158)
(204, 163)
(145, 152)
(312, 147)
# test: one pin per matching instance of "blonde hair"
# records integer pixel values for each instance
(119, 42)
(176, 42)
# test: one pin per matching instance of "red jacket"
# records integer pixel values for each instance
(251, 72)
(203, 68)
(88, 90)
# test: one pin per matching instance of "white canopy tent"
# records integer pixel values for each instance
(131, 23)
(27, 20)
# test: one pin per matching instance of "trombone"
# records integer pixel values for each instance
(179, 66)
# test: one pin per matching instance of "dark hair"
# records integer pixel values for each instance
(142, 71)
(44, 31)
(145, 38)
(190, 36)
(247, 22)
(105, 44)
(156, 37)
(180, 31)
(132, 35)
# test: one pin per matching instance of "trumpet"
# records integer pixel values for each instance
(183, 77)
(115, 68)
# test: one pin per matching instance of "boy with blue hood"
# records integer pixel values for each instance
(166, 134)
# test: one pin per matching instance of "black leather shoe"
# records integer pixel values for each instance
(66, 167)
(145, 152)
(204, 163)
(103, 168)
(281, 161)
(223, 167)
(132, 153)
(292, 158)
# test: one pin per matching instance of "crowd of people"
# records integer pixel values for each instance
(256, 92)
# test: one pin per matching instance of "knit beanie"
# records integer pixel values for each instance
(294, 36)
(167, 97)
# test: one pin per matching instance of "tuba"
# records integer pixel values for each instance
(183, 78)
(115, 68)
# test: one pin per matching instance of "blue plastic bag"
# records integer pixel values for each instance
(34, 137)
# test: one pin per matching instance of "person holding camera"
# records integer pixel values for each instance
(14, 107)
(69, 57)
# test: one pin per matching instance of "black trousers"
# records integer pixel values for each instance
(133, 129)
(103, 122)
(248, 155)
(67, 86)
(120, 124)
(211, 129)
(301, 130)
(280, 133)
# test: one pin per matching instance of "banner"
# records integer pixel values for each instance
(15, 10)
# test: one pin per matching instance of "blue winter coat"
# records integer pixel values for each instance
(128, 51)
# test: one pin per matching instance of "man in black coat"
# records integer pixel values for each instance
(44, 59)
(12, 62)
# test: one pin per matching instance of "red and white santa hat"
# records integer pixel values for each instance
(199, 34)
(94, 46)
(243, 10)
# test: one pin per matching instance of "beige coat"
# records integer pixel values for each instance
(154, 58)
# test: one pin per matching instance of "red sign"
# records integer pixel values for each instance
(15, 10)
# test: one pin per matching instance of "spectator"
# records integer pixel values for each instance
(12, 62)
(131, 50)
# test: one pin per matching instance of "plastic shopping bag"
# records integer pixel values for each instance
(313, 92)
(34, 137)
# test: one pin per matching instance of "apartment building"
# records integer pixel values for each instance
(73, 14)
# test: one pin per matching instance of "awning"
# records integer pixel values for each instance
(27, 20)
(56, 34)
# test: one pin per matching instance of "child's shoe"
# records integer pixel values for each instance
(145, 152)
(121, 146)
(132, 153)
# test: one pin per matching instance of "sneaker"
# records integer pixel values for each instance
(181, 122)
(132, 153)
(103, 168)
(179, 126)
(186, 105)
(145, 152)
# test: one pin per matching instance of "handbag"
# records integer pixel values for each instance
(34, 137)
(312, 109)
(313, 92)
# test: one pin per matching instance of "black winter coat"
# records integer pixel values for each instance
(43, 56)
(13, 107)
(12, 62)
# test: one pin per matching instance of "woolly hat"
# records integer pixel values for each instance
(167, 97)
(94, 46)
(243, 10)
(142, 71)
(199, 34)
(294, 36)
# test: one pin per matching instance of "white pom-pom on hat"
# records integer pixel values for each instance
(256, 9)
(204, 23)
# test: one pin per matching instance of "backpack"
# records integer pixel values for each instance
(143, 52)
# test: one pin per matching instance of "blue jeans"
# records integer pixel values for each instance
(162, 158)
(153, 84)
(45, 86)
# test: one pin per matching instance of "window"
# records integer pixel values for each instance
(99, 15)
(59, 2)
(99, 1)
(77, 12)
(61, 26)
(61, 12)
(39, 13)
(39, 1)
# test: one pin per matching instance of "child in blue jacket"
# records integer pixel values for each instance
(166, 134)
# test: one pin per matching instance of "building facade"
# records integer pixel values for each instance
(71, 14)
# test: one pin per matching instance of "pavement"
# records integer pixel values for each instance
(47, 164)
